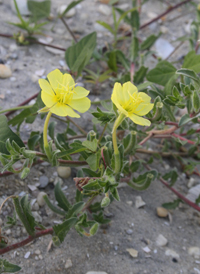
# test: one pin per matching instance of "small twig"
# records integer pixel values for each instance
(104, 129)
(26, 241)
(164, 13)
(79, 127)
(176, 48)
(22, 104)
(146, 139)
(68, 28)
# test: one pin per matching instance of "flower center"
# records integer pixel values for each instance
(64, 94)
(134, 101)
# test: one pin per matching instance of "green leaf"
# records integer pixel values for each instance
(93, 185)
(99, 218)
(93, 160)
(91, 145)
(95, 207)
(162, 73)
(61, 198)
(135, 20)
(172, 175)
(143, 181)
(75, 209)
(172, 205)
(39, 10)
(51, 128)
(192, 61)
(70, 6)
(148, 43)
(78, 55)
(33, 141)
(196, 101)
(189, 73)
(25, 204)
(105, 25)
(112, 60)
(140, 75)
(185, 119)
(61, 230)
(143, 86)
(79, 196)
(6, 266)
(7, 133)
(53, 207)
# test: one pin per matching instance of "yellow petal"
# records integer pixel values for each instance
(45, 86)
(64, 110)
(67, 80)
(146, 98)
(43, 110)
(118, 93)
(48, 100)
(128, 87)
(143, 109)
(55, 77)
(121, 109)
(80, 92)
(82, 105)
(139, 120)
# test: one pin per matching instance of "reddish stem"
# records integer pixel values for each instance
(183, 139)
(26, 241)
(103, 157)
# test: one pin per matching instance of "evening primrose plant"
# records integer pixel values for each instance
(141, 104)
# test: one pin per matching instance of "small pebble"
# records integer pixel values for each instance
(146, 249)
(64, 172)
(162, 212)
(129, 231)
(96, 272)
(68, 263)
(139, 202)
(190, 182)
(194, 251)
(132, 252)
(26, 256)
(37, 216)
(58, 180)
(5, 71)
(8, 232)
(37, 252)
(105, 10)
(44, 180)
(40, 199)
(161, 240)
(129, 203)
(172, 253)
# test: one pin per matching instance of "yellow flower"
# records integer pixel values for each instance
(131, 103)
(61, 96)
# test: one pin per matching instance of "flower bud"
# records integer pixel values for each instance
(105, 202)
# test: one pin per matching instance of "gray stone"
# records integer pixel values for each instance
(44, 180)
(37, 216)
(139, 202)
(96, 272)
(194, 251)
(163, 48)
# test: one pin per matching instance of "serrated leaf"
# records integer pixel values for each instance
(161, 73)
(196, 101)
(78, 55)
(134, 49)
(93, 185)
(61, 230)
(7, 133)
(25, 204)
(61, 198)
(7, 267)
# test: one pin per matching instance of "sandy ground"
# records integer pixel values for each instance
(129, 227)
